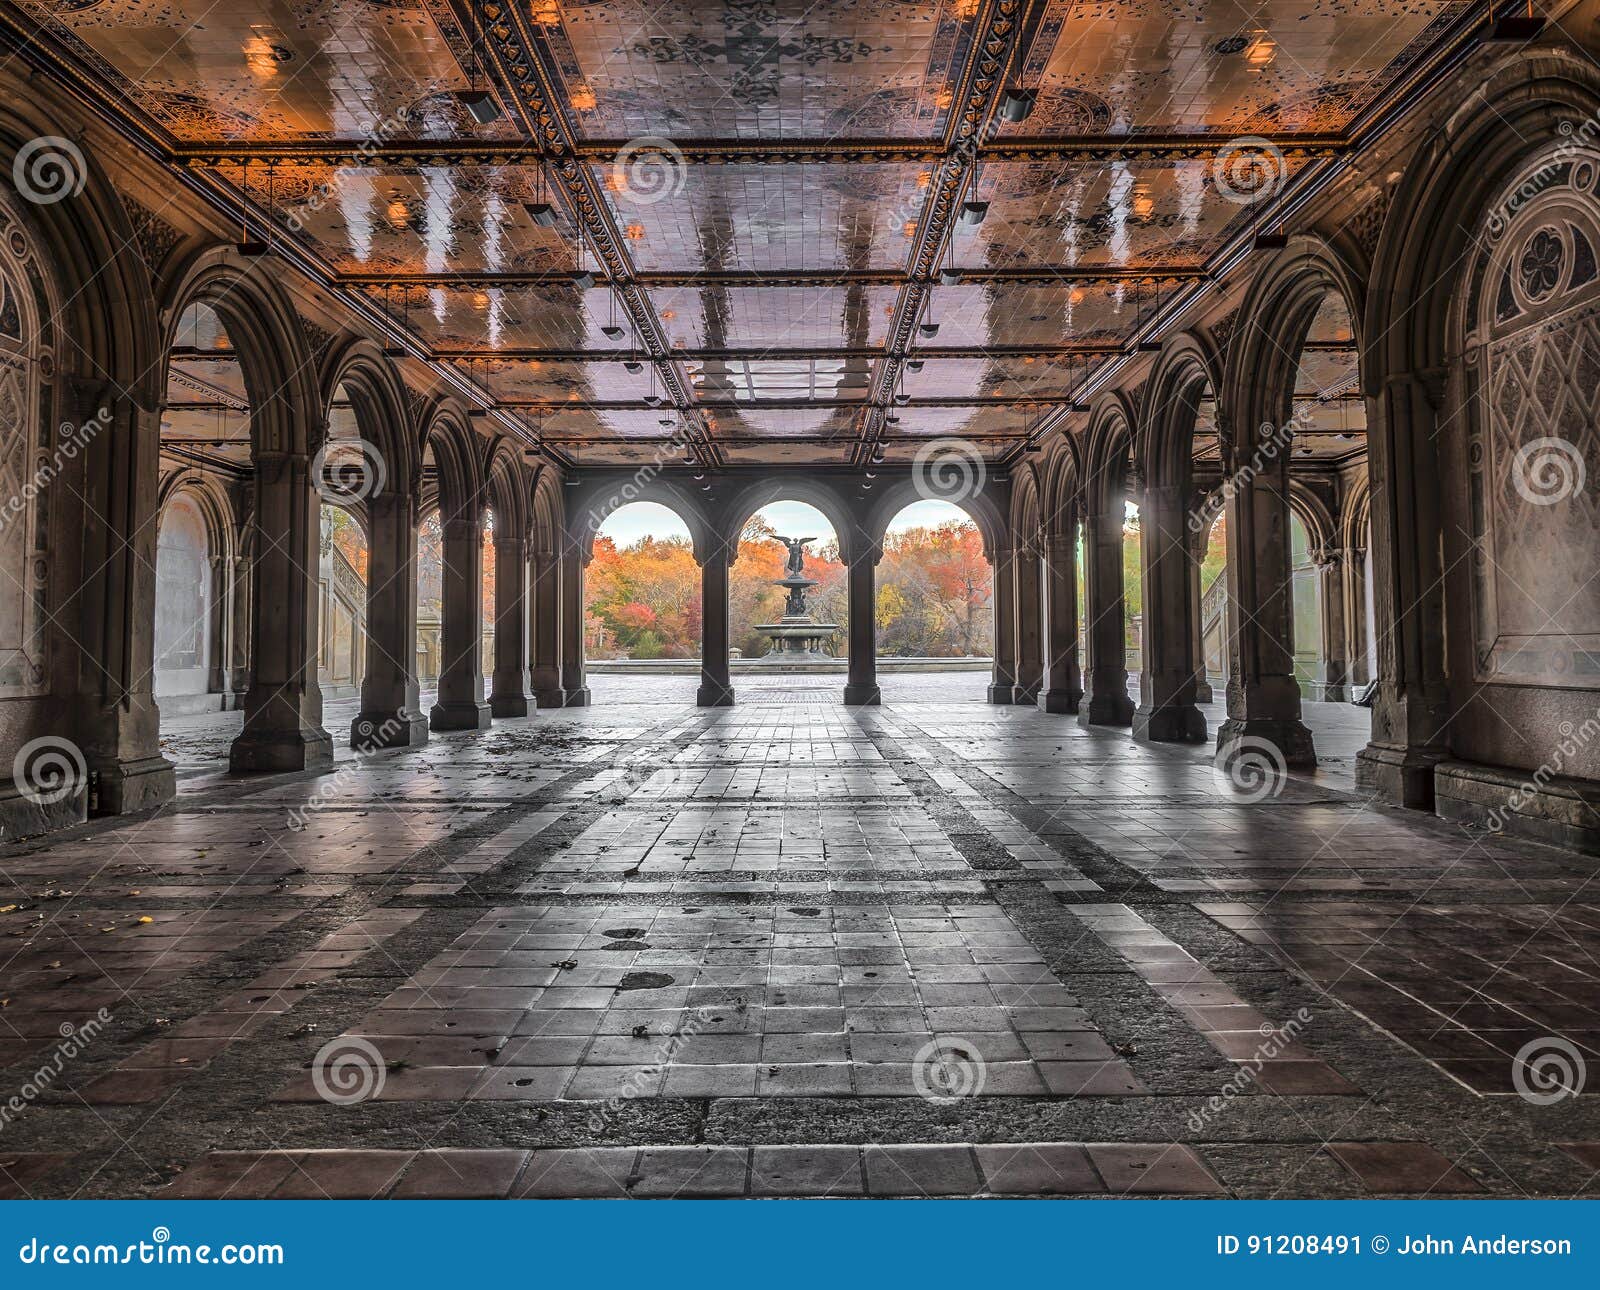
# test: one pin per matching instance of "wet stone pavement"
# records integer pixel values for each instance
(792, 949)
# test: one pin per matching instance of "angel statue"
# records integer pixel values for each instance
(797, 555)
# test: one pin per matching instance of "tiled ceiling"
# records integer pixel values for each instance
(767, 190)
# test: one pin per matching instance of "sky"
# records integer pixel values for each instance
(629, 524)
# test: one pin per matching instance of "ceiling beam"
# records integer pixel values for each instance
(413, 154)
(1041, 277)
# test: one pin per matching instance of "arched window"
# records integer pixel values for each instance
(183, 601)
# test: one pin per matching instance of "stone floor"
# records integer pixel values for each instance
(789, 948)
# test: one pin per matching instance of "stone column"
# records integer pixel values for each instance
(1263, 693)
(239, 619)
(1197, 557)
(116, 722)
(1030, 659)
(1354, 591)
(1330, 593)
(861, 685)
(1063, 681)
(716, 686)
(547, 689)
(572, 677)
(1167, 711)
(460, 704)
(1411, 712)
(508, 695)
(391, 704)
(1105, 701)
(219, 617)
(1002, 685)
(283, 709)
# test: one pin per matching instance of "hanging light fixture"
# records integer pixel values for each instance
(612, 331)
(481, 104)
(1017, 103)
(540, 211)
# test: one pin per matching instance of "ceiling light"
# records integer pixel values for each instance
(583, 281)
(481, 105)
(543, 214)
(929, 330)
(1269, 242)
(1016, 105)
(877, 454)
(949, 277)
(654, 400)
(613, 332)
(1147, 347)
(974, 212)
(914, 365)
(632, 365)
(902, 398)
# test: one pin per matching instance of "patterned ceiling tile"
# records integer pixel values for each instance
(1016, 378)
(783, 423)
(557, 316)
(1008, 314)
(730, 317)
(772, 69)
(773, 218)
(1109, 66)
(521, 380)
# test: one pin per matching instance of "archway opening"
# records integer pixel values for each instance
(642, 594)
(430, 602)
(935, 604)
(757, 600)
(343, 555)
(202, 606)
(486, 590)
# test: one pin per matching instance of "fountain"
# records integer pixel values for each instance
(797, 637)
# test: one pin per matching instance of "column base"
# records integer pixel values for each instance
(862, 694)
(1288, 742)
(1557, 809)
(375, 731)
(22, 817)
(1001, 693)
(124, 787)
(1399, 776)
(1024, 695)
(578, 698)
(509, 705)
(1203, 692)
(1176, 723)
(459, 716)
(553, 698)
(266, 751)
(714, 694)
(1114, 709)
(1063, 702)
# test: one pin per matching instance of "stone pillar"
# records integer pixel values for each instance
(117, 723)
(1167, 711)
(508, 695)
(547, 689)
(1197, 557)
(460, 704)
(1025, 566)
(219, 615)
(572, 678)
(283, 709)
(861, 685)
(1354, 590)
(1063, 681)
(716, 687)
(1411, 712)
(391, 704)
(239, 622)
(1263, 693)
(1002, 685)
(1105, 701)
(1330, 593)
